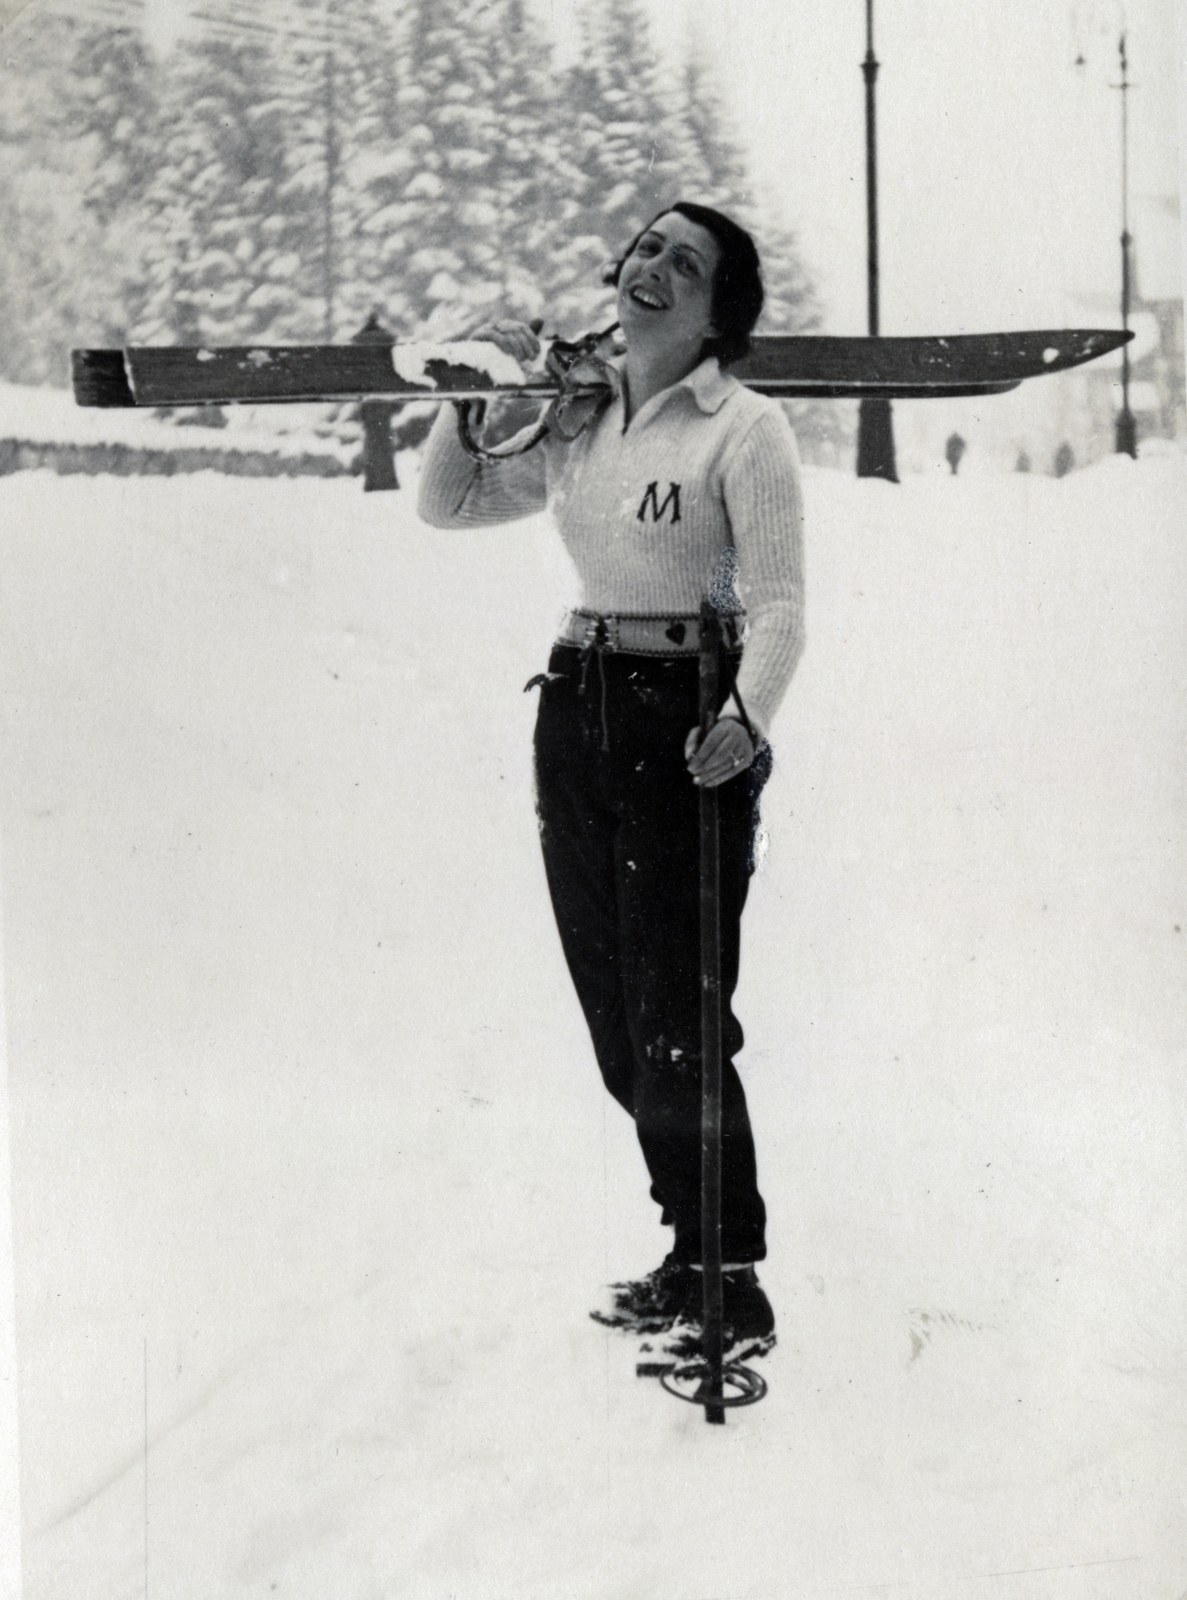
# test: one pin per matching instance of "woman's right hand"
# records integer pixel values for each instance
(513, 338)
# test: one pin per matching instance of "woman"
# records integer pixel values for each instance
(681, 481)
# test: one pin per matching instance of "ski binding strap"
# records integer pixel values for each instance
(588, 383)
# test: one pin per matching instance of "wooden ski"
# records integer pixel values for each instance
(787, 367)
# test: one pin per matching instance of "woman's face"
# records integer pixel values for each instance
(665, 289)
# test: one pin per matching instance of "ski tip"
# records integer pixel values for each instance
(654, 1369)
(100, 378)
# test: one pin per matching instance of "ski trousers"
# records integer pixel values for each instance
(619, 826)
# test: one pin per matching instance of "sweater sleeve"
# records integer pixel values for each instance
(458, 492)
(764, 502)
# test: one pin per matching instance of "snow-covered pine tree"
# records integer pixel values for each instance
(367, 79)
(35, 73)
(404, 187)
(388, 212)
(113, 106)
(627, 136)
(114, 86)
(222, 250)
(454, 202)
(721, 172)
(536, 178)
(61, 273)
(338, 73)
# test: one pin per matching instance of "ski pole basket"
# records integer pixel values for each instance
(747, 1385)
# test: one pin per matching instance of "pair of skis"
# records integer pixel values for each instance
(785, 367)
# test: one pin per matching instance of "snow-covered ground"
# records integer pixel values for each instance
(50, 416)
(314, 1181)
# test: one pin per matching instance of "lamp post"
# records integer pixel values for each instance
(875, 436)
(1126, 435)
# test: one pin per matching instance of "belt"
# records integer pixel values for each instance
(636, 635)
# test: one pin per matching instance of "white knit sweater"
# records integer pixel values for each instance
(647, 511)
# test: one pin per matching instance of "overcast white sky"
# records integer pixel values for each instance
(999, 158)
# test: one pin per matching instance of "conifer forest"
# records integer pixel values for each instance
(280, 173)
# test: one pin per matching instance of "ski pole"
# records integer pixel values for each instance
(711, 1390)
(711, 1374)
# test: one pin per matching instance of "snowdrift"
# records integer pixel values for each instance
(44, 428)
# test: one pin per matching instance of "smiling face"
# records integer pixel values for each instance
(665, 289)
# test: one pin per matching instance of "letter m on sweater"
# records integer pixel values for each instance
(651, 498)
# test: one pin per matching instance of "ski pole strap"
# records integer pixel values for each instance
(730, 673)
(721, 632)
(588, 382)
(518, 446)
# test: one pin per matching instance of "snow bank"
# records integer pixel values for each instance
(42, 416)
(303, 1107)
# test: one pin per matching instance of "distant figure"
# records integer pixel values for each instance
(1023, 462)
(953, 451)
(1065, 460)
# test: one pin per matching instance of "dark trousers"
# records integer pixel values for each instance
(620, 834)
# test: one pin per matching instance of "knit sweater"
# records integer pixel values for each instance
(649, 511)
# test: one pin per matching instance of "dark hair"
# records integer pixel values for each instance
(737, 293)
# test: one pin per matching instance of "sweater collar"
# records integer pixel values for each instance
(709, 385)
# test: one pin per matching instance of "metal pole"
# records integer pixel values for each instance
(328, 265)
(875, 434)
(869, 69)
(1126, 437)
(711, 1391)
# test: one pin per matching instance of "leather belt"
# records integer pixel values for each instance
(637, 635)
